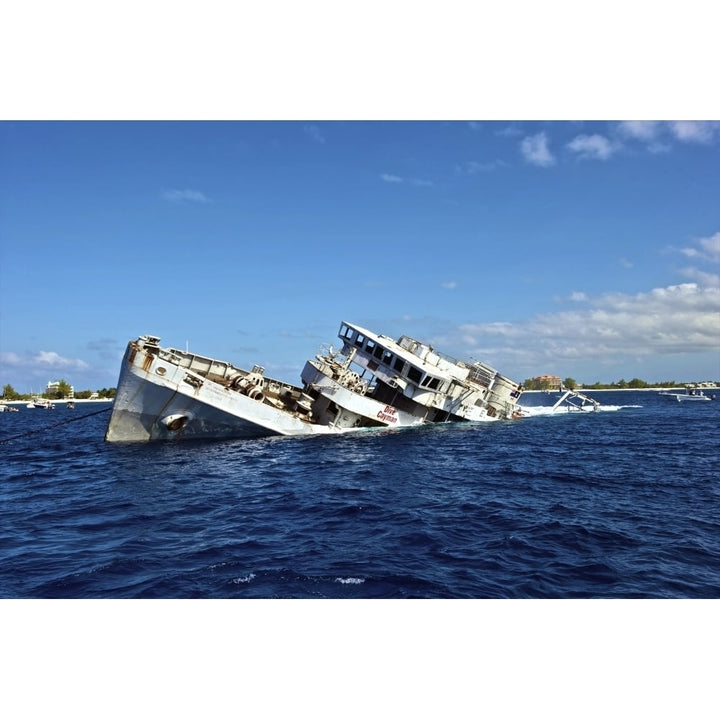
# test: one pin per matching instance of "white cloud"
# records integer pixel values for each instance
(185, 195)
(695, 131)
(656, 136)
(42, 359)
(578, 297)
(54, 360)
(509, 131)
(709, 249)
(673, 320)
(644, 130)
(313, 132)
(655, 133)
(472, 167)
(10, 359)
(703, 278)
(536, 151)
(596, 147)
(450, 285)
(387, 177)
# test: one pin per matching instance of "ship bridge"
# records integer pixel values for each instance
(404, 362)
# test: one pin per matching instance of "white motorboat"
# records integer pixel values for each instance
(690, 395)
(40, 404)
(372, 381)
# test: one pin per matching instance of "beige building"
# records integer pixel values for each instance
(548, 382)
(53, 388)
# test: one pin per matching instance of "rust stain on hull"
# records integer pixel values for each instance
(147, 362)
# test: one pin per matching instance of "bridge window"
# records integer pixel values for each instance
(399, 364)
(414, 374)
(430, 382)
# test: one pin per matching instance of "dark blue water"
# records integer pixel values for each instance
(623, 503)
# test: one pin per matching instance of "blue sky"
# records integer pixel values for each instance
(583, 249)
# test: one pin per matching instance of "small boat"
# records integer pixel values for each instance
(7, 408)
(572, 399)
(372, 381)
(691, 394)
(40, 404)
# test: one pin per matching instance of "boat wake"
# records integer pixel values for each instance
(549, 410)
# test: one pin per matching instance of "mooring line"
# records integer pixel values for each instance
(50, 427)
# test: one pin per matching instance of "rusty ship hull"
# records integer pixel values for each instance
(159, 399)
(372, 381)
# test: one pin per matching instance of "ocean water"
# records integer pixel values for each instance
(619, 503)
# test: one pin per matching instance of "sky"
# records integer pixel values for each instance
(241, 180)
(582, 249)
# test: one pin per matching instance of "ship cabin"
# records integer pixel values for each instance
(415, 378)
(407, 373)
(387, 358)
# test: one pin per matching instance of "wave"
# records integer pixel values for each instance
(547, 410)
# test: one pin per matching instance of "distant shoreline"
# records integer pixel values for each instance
(653, 389)
(525, 392)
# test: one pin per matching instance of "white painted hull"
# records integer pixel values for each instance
(686, 398)
(166, 394)
(40, 405)
(146, 403)
(355, 406)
